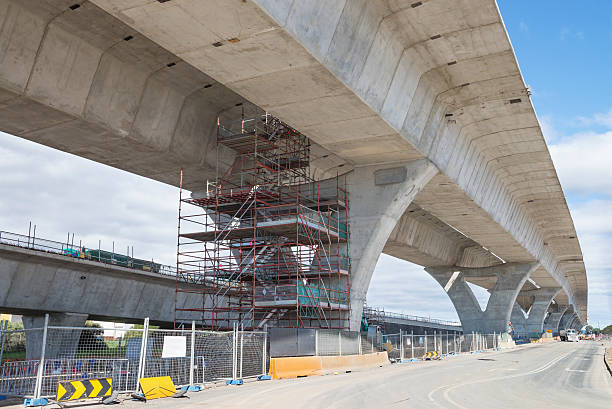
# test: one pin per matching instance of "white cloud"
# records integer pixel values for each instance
(62, 193)
(523, 26)
(583, 162)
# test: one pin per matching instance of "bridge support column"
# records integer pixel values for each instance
(510, 280)
(378, 197)
(540, 301)
(61, 343)
(567, 317)
(554, 318)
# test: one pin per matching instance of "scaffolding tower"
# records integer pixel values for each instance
(265, 243)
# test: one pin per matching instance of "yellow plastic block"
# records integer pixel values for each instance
(159, 387)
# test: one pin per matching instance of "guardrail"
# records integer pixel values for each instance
(371, 312)
(82, 252)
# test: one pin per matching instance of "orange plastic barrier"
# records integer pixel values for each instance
(282, 368)
(329, 363)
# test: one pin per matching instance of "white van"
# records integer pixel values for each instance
(572, 335)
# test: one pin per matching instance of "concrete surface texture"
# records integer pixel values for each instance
(374, 84)
(530, 310)
(554, 375)
(32, 282)
(509, 280)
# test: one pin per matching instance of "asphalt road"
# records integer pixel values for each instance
(554, 375)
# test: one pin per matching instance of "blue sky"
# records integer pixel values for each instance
(563, 49)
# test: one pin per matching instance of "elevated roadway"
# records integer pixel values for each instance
(421, 104)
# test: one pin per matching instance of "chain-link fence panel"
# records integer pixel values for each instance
(349, 342)
(215, 355)
(251, 354)
(328, 342)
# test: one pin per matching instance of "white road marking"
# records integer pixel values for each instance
(535, 371)
(575, 370)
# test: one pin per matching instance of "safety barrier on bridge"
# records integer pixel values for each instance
(35, 361)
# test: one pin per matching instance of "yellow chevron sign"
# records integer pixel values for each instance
(431, 355)
(87, 388)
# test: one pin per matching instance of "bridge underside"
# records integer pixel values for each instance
(139, 84)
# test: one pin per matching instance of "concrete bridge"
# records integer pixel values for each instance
(420, 103)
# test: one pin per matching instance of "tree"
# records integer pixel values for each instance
(92, 337)
(607, 330)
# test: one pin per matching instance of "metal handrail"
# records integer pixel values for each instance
(79, 251)
(374, 312)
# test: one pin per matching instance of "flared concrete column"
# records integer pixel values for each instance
(378, 197)
(518, 319)
(542, 297)
(554, 318)
(61, 343)
(495, 318)
(566, 318)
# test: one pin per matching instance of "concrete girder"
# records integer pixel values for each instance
(534, 322)
(378, 198)
(408, 69)
(510, 279)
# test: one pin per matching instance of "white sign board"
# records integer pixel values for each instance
(174, 347)
(408, 341)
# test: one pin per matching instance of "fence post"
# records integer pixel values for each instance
(234, 353)
(359, 346)
(316, 342)
(455, 342)
(192, 355)
(143, 350)
(241, 347)
(340, 342)
(41, 365)
(412, 344)
(425, 339)
(435, 341)
(2, 338)
(401, 346)
(264, 365)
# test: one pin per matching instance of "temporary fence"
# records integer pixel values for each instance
(52, 354)
(406, 346)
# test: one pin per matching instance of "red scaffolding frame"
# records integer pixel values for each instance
(265, 244)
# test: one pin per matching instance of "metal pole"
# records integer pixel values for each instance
(412, 344)
(143, 349)
(316, 342)
(192, 355)
(34, 236)
(435, 341)
(241, 347)
(339, 343)
(264, 365)
(2, 337)
(359, 347)
(41, 364)
(401, 346)
(235, 354)
(455, 342)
